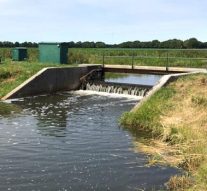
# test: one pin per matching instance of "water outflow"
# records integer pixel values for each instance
(117, 88)
(73, 142)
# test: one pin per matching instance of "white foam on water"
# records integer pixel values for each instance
(90, 92)
(11, 100)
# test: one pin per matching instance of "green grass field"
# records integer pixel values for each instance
(139, 57)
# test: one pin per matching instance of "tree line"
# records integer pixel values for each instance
(191, 43)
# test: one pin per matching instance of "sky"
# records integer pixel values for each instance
(110, 21)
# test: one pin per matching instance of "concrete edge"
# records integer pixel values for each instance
(157, 68)
(162, 82)
(24, 83)
(18, 88)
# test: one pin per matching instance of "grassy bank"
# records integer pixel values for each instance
(13, 74)
(175, 122)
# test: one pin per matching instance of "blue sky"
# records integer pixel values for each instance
(111, 21)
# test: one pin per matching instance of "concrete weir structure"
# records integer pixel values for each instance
(50, 80)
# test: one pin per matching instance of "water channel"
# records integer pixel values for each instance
(70, 141)
(132, 78)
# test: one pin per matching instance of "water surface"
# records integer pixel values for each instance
(145, 79)
(73, 142)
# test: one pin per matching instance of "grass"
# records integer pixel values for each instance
(175, 119)
(148, 116)
(180, 183)
(13, 74)
(139, 57)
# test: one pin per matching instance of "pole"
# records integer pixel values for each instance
(132, 60)
(167, 64)
(103, 59)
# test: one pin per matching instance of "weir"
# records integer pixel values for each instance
(94, 81)
(51, 80)
(118, 88)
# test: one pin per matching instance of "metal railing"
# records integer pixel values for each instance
(164, 57)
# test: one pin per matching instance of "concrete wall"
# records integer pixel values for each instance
(50, 80)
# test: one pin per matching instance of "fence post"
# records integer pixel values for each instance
(167, 64)
(103, 59)
(132, 60)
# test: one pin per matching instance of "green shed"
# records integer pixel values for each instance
(53, 52)
(19, 54)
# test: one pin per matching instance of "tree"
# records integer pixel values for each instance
(71, 44)
(155, 44)
(192, 43)
(16, 44)
(172, 43)
(100, 45)
(88, 44)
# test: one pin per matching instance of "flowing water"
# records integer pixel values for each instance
(127, 84)
(117, 89)
(73, 142)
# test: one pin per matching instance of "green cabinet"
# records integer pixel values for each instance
(19, 54)
(53, 52)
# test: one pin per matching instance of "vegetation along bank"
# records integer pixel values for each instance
(173, 125)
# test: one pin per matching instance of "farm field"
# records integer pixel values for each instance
(140, 57)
